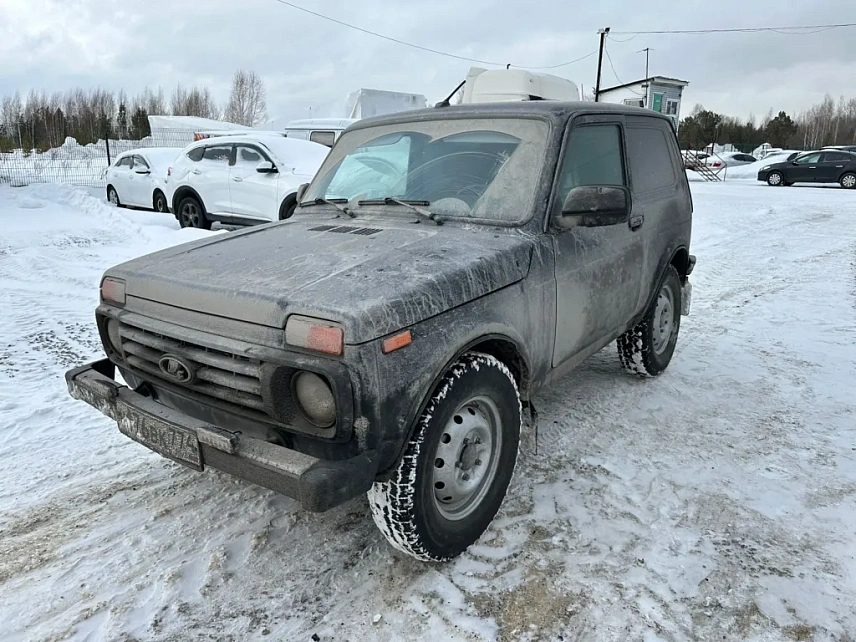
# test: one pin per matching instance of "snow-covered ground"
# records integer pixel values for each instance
(717, 502)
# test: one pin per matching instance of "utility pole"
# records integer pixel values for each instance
(645, 86)
(603, 33)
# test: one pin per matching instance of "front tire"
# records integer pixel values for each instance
(848, 181)
(286, 210)
(775, 179)
(192, 214)
(647, 348)
(454, 474)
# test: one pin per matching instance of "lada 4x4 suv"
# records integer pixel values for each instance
(443, 265)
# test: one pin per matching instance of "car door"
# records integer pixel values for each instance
(803, 169)
(120, 176)
(141, 182)
(253, 194)
(210, 178)
(598, 269)
(831, 166)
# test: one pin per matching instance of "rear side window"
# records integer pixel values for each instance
(650, 161)
(219, 154)
(196, 154)
(325, 138)
(593, 157)
(836, 157)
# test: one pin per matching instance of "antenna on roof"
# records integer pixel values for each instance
(446, 101)
(508, 66)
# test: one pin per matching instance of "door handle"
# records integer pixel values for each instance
(812, 166)
(237, 179)
(197, 171)
(636, 221)
(839, 166)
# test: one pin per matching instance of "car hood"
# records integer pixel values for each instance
(372, 278)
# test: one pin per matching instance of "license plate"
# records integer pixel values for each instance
(178, 444)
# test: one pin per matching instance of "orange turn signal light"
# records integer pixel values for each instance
(397, 341)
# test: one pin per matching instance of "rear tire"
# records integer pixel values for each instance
(647, 348)
(192, 214)
(775, 179)
(113, 196)
(159, 202)
(848, 181)
(454, 474)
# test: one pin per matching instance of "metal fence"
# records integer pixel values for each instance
(76, 164)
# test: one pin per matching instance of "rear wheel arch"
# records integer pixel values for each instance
(183, 192)
(155, 194)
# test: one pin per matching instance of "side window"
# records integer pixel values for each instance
(248, 156)
(325, 138)
(196, 154)
(139, 161)
(126, 161)
(807, 159)
(671, 107)
(651, 166)
(593, 157)
(218, 154)
(634, 102)
(836, 157)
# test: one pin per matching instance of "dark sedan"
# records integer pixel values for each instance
(830, 166)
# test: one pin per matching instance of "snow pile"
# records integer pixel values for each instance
(717, 501)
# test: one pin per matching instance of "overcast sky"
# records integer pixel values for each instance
(307, 62)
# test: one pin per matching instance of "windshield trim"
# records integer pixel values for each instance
(449, 217)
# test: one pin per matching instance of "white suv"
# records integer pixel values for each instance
(242, 179)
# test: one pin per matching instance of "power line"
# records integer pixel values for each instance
(791, 31)
(428, 49)
(611, 66)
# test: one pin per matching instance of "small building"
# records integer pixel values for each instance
(659, 93)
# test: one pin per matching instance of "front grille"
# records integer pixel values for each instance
(228, 377)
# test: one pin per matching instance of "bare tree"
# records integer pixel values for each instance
(193, 101)
(247, 104)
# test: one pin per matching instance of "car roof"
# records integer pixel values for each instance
(553, 110)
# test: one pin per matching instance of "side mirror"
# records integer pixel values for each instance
(594, 206)
(301, 190)
(142, 170)
(266, 167)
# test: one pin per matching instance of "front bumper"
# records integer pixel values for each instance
(318, 484)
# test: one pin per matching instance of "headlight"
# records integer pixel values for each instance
(113, 335)
(314, 398)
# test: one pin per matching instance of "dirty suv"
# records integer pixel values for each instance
(442, 267)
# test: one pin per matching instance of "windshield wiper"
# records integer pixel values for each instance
(413, 205)
(335, 202)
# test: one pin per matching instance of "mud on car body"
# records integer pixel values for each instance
(443, 265)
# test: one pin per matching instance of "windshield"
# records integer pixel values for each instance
(470, 168)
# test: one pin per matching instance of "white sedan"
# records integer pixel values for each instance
(243, 179)
(137, 178)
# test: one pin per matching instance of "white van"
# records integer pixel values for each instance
(500, 85)
(318, 130)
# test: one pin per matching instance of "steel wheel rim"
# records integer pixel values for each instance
(113, 197)
(467, 458)
(664, 319)
(775, 178)
(849, 180)
(160, 204)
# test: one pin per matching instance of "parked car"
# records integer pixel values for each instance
(813, 167)
(325, 131)
(393, 343)
(731, 159)
(243, 179)
(137, 178)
